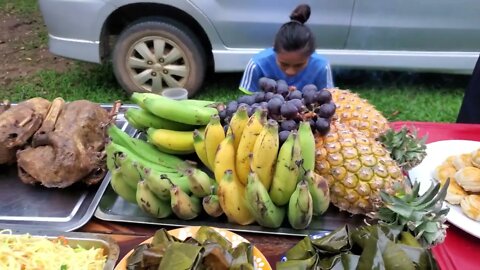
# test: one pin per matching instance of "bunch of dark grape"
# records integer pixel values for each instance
(287, 105)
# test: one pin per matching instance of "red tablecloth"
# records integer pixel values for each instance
(460, 250)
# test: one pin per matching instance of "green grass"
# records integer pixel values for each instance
(400, 96)
(415, 97)
(24, 7)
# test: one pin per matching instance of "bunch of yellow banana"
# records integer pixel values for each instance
(158, 182)
(169, 123)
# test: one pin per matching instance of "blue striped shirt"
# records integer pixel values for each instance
(264, 64)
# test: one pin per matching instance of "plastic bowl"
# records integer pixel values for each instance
(175, 93)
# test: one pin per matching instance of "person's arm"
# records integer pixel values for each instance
(251, 75)
(325, 78)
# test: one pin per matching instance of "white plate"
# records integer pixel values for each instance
(437, 152)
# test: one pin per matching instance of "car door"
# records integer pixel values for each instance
(412, 25)
(253, 24)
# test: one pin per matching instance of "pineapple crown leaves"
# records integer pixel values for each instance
(422, 215)
(404, 146)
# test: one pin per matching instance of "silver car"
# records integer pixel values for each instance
(157, 44)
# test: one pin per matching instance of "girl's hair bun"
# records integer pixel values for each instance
(301, 13)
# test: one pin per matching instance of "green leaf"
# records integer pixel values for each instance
(302, 250)
(337, 241)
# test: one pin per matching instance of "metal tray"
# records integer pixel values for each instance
(114, 208)
(84, 240)
(38, 208)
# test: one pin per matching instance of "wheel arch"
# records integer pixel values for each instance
(126, 15)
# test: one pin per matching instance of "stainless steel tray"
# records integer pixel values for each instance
(114, 208)
(36, 207)
(85, 240)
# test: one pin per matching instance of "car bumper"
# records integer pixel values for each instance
(75, 27)
(84, 50)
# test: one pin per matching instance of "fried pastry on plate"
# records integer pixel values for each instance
(471, 206)
(469, 178)
(462, 161)
(476, 158)
(444, 171)
(455, 193)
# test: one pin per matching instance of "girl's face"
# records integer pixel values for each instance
(291, 63)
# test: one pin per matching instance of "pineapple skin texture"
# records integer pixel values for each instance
(358, 113)
(357, 167)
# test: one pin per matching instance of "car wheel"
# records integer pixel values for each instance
(150, 56)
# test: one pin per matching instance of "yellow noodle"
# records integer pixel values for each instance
(26, 252)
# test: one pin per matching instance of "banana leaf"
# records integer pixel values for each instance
(180, 256)
(206, 233)
(242, 254)
(208, 249)
(216, 257)
(364, 248)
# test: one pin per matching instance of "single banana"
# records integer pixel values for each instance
(113, 150)
(238, 123)
(150, 203)
(184, 206)
(128, 168)
(121, 187)
(201, 103)
(300, 207)
(224, 159)
(159, 185)
(143, 149)
(318, 187)
(247, 142)
(231, 194)
(211, 205)
(214, 134)
(265, 152)
(307, 145)
(179, 111)
(199, 145)
(143, 118)
(260, 204)
(133, 122)
(286, 170)
(139, 97)
(161, 182)
(171, 141)
(199, 182)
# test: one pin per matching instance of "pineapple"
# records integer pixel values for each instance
(358, 113)
(357, 168)
(404, 147)
(422, 215)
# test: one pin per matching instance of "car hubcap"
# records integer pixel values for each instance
(155, 63)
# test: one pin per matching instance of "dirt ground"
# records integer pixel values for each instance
(22, 50)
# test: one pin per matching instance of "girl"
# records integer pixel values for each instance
(292, 58)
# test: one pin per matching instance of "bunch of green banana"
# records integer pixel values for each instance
(169, 123)
(160, 183)
(142, 119)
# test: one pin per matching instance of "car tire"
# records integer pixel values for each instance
(152, 55)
